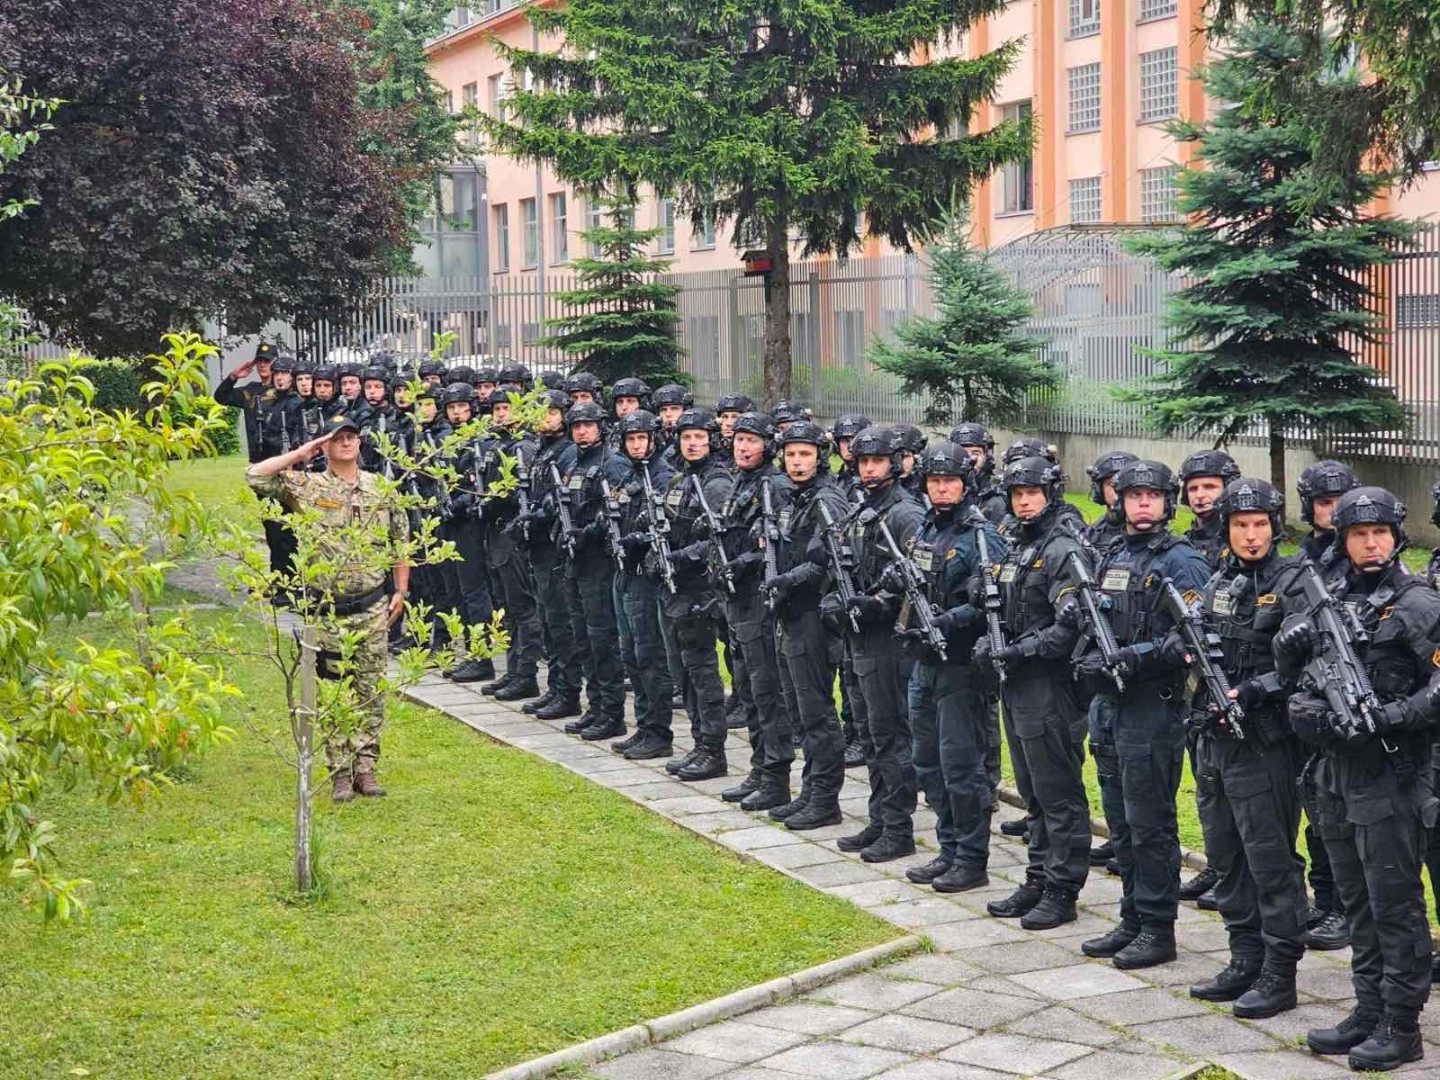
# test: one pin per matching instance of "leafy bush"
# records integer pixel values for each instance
(117, 387)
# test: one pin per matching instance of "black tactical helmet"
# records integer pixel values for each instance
(349, 369)
(1323, 478)
(375, 373)
(458, 391)
(912, 439)
(304, 367)
(1029, 446)
(734, 403)
(585, 410)
(672, 394)
(502, 394)
(757, 423)
(1365, 505)
(697, 418)
(584, 381)
(428, 393)
(877, 441)
(641, 420)
(460, 373)
(635, 388)
(946, 459)
(788, 412)
(431, 366)
(553, 380)
(283, 364)
(806, 431)
(326, 373)
(1034, 471)
(555, 399)
(485, 374)
(972, 434)
(1105, 468)
(1207, 463)
(849, 425)
(1247, 494)
(1154, 475)
(515, 372)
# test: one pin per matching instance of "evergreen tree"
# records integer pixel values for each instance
(828, 119)
(1277, 257)
(624, 318)
(972, 359)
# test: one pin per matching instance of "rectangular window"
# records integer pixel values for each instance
(1083, 84)
(495, 95)
(470, 95)
(1157, 194)
(529, 233)
(1085, 200)
(665, 221)
(1158, 92)
(1417, 309)
(1155, 9)
(502, 238)
(594, 218)
(704, 237)
(460, 17)
(559, 234)
(447, 101)
(1017, 178)
(1084, 18)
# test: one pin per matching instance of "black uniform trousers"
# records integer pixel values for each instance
(1250, 812)
(565, 656)
(697, 631)
(472, 571)
(637, 613)
(1041, 717)
(757, 679)
(949, 720)
(1374, 822)
(594, 577)
(882, 670)
(510, 576)
(809, 655)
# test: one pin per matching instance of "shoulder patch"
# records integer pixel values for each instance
(328, 504)
(1435, 658)
(1190, 596)
(1038, 563)
(1265, 599)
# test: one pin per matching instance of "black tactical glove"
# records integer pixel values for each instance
(1251, 694)
(1174, 651)
(867, 609)
(742, 565)
(1296, 640)
(780, 585)
(634, 543)
(1391, 718)
(1091, 665)
(1310, 719)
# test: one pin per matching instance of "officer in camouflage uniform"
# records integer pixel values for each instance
(253, 398)
(1374, 787)
(355, 595)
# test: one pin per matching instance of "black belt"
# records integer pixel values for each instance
(350, 605)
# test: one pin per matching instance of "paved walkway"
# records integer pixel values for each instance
(992, 1000)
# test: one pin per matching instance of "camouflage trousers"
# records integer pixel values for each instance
(359, 747)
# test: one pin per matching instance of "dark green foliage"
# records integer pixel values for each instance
(624, 318)
(775, 118)
(1279, 296)
(973, 358)
(117, 387)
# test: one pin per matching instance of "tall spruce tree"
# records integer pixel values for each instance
(624, 318)
(1280, 297)
(828, 120)
(973, 358)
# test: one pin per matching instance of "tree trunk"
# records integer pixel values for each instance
(1277, 454)
(969, 409)
(303, 727)
(777, 317)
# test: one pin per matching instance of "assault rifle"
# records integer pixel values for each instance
(913, 583)
(522, 492)
(659, 529)
(1096, 609)
(612, 523)
(1205, 648)
(562, 511)
(842, 562)
(772, 539)
(717, 545)
(1334, 668)
(993, 630)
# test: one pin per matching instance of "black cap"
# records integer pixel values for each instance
(340, 422)
(267, 352)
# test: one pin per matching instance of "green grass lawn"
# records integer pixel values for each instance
(494, 907)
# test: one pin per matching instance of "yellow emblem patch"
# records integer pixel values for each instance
(950, 554)
(1266, 599)
(1386, 612)
(328, 504)
(1435, 658)
(1038, 563)
(1190, 596)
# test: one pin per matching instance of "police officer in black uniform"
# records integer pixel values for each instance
(852, 702)
(787, 412)
(464, 530)
(881, 663)
(694, 609)
(1136, 731)
(1203, 476)
(1044, 721)
(980, 445)
(1108, 525)
(1245, 763)
(809, 653)
(637, 592)
(912, 444)
(1320, 486)
(583, 387)
(1375, 788)
(727, 411)
(948, 709)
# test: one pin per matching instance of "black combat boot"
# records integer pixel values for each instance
(1346, 1035)
(818, 813)
(1232, 981)
(621, 745)
(650, 745)
(1018, 829)
(793, 807)
(744, 789)
(469, 671)
(532, 707)
(1018, 902)
(959, 879)
(1107, 945)
(1199, 885)
(1330, 931)
(674, 766)
(1100, 854)
(585, 720)
(1394, 1042)
(1056, 908)
(861, 840)
(854, 753)
(707, 764)
(1272, 993)
(734, 713)
(490, 689)
(774, 791)
(1151, 947)
(610, 727)
(559, 709)
(889, 847)
(518, 689)
(924, 875)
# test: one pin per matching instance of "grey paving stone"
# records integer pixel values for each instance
(911, 1034)
(835, 1060)
(737, 1041)
(973, 934)
(881, 891)
(790, 856)
(1029, 955)
(930, 1069)
(1298, 1021)
(842, 872)
(1065, 1024)
(654, 1064)
(810, 1017)
(680, 802)
(755, 1072)
(1209, 936)
(1001, 984)
(873, 991)
(1326, 982)
(756, 837)
(719, 823)
(1284, 1065)
(552, 740)
(1015, 1053)
(1139, 1007)
(920, 914)
(973, 1008)
(1079, 981)
(660, 789)
(1110, 1065)
(1186, 970)
(1205, 1035)
(933, 968)
(636, 774)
